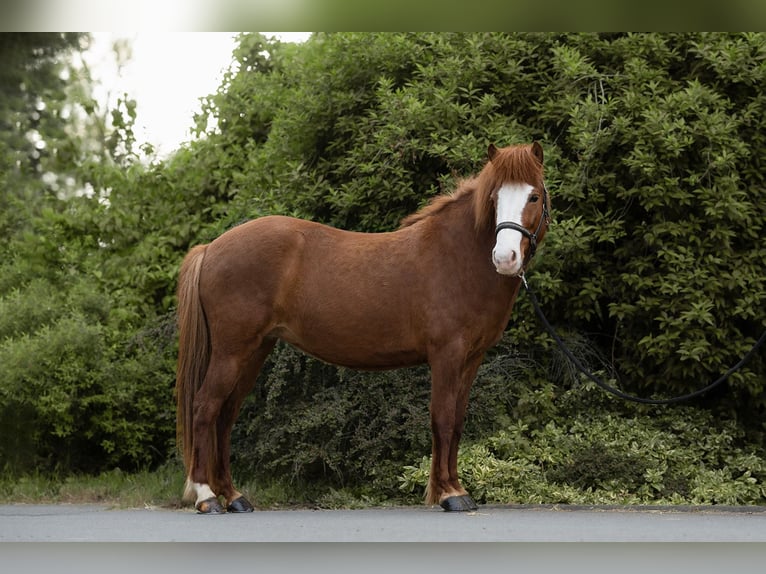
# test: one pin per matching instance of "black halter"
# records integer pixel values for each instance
(545, 218)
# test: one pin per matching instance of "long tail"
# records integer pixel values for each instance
(193, 350)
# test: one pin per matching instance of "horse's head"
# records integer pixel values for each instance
(521, 205)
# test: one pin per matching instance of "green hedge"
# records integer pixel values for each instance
(653, 267)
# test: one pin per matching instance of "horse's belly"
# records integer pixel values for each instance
(358, 349)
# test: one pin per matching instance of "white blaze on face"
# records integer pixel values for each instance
(511, 200)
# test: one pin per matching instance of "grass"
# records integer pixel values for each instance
(163, 487)
(145, 489)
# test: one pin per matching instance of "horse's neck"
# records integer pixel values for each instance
(465, 274)
(471, 248)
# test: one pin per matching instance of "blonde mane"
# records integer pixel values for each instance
(507, 165)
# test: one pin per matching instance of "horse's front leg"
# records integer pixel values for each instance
(451, 381)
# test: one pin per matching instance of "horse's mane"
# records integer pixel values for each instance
(438, 203)
(510, 164)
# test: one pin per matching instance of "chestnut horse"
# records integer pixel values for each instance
(439, 290)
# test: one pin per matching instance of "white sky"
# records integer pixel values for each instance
(167, 75)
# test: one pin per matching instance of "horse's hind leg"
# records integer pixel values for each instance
(221, 380)
(223, 484)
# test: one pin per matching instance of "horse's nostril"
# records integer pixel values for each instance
(509, 257)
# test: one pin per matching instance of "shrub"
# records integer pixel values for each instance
(652, 269)
(309, 420)
(681, 456)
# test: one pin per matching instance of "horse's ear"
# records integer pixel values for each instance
(537, 150)
(491, 151)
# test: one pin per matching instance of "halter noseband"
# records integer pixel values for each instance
(524, 231)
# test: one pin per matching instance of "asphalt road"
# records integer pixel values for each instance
(93, 523)
(87, 539)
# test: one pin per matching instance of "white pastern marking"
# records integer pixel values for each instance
(511, 200)
(203, 491)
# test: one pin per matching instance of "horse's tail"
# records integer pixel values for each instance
(193, 350)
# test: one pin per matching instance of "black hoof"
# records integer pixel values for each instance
(462, 503)
(240, 504)
(209, 506)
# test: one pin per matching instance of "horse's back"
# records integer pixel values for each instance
(275, 242)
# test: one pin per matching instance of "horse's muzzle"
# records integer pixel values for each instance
(510, 264)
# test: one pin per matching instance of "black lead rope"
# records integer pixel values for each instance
(618, 392)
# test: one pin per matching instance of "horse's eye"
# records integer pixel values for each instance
(533, 198)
